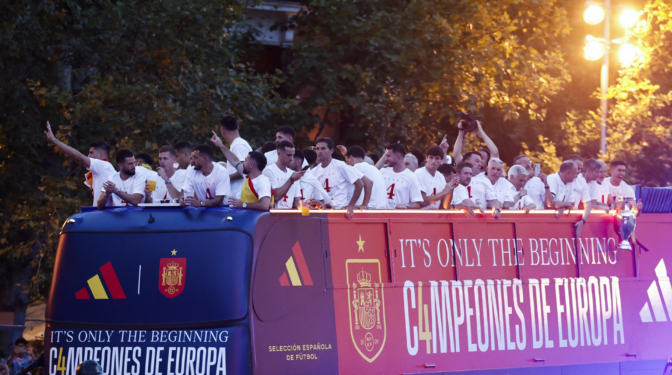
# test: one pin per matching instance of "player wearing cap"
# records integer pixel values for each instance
(96, 163)
(402, 186)
(206, 183)
(282, 177)
(124, 187)
(433, 185)
(338, 179)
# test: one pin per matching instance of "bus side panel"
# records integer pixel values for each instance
(557, 307)
(293, 324)
(148, 352)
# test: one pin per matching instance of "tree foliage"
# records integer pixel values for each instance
(400, 69)
(137, 74)
(639, 121)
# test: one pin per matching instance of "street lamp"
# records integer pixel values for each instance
(595, 49)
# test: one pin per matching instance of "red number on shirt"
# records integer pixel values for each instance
(302, 198)
(434, 192)
(469, 191)
(284, 199)
(604, 199)
(390, 192)
(208, 195)
(326, 185)
(124, 203)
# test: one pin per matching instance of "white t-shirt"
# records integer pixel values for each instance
(581, 192)
(216, 184)
(241, 149)
(278, 178)
(536, 191)
(504, 190)
(161, 191)
(272, 157)
(133, 185)
(602, 192)
(401, 188)
(378, 198)
(99, 172)
(430, 185)
(522, 203)
(311, 188)
(621, 191)
(481, 191)
(262, 185)
(337, 179)
(460, 194)
(560, 191)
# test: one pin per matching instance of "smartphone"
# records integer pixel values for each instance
(537, 170)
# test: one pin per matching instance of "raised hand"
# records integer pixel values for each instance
(215, 139)
(109, 187)
(444, 144)
(49, 133)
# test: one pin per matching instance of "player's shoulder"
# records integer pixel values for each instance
(421, 172)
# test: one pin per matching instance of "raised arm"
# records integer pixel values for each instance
(71, 152)
(457, 149)
(494, 152)
(230, 156)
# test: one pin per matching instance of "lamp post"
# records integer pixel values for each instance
(595, 48)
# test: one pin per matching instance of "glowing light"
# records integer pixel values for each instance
(594, 14)
(627, 53)
(594, 50)
(629, 18)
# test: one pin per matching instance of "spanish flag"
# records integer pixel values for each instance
(249, 195)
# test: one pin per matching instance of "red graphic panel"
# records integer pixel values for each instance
(112, 281)
(172, 276)
(82, 294)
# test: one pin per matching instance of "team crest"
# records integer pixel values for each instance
(172, 275)
(366, 302)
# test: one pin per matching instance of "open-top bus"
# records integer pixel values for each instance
(221, 291)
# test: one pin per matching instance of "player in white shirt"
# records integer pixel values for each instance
(604, 200)
(618, 189)
(206, 183)
(229, 128)
(376, 197)
(433, 184)
(310, 191)
(169, 180)
(96, 163)
(482, 193)
(521, 201)
(461, 198)
(284, 133)
(402, 186)
(282, 177)
(183, 150)
(500, 185)
(125, 187)
(338, 179)
(561, 187)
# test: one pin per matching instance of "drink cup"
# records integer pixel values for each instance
(152, 185)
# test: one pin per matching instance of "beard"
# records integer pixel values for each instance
(131, 172)
(246, 171)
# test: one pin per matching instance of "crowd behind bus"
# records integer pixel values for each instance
(325, 176)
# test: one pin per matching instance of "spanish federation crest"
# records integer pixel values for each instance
(367, 307)
(172, 275)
